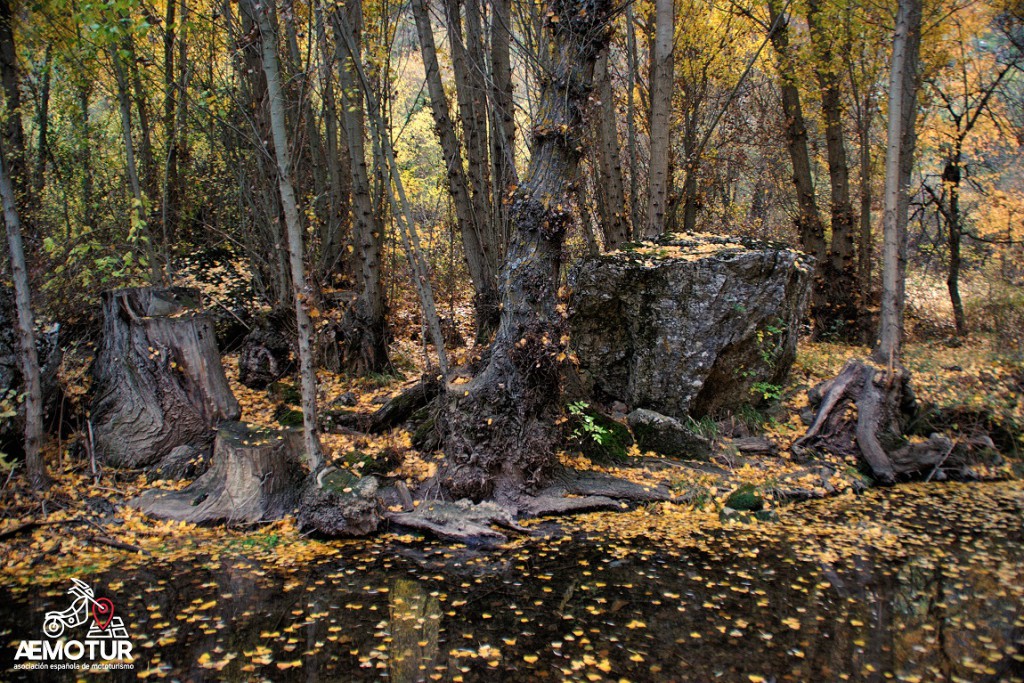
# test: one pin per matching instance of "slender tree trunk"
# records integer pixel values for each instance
(139, 199)
(503, 121)
(149, 175)
(43, 125)
(471, 225)
(901, 139)
(635, 208)
(302, 294)
(499, 429)
(334, 234)
(809, 225)
(864, 247)
(34, 463)
(662, 76)
(365, 347)
(84, 155)
(840, 316)
(471, 93)
(13, 132)
(611, 195)
(169, 206)
(951, 177)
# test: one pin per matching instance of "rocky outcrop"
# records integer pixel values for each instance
(691, 325)
(667, 435)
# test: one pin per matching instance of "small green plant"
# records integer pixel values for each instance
(705, 427)
(588, 425)
(769, 391)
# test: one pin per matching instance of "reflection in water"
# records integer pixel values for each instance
(910, 584)
(415, 625)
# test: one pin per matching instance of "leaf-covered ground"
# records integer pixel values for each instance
(706, 584)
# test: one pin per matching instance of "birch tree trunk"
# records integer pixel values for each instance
(901, 139)
(302, 296)
(34, 464)
(661, 115)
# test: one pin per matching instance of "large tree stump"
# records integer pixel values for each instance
(159, 379)
(256, 476)
(863, 413)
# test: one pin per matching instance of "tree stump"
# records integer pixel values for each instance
(863, 413)
(256, 476)
(159, 379)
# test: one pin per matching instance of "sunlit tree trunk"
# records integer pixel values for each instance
(29, 361)
(901, 139)
(302, 294)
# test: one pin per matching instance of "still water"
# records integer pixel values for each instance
(914, 583)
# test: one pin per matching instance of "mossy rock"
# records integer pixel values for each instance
(426, 438)
(285, 392)
(747, 516)
(288, 417)
(608, 443)
(746, 498)
(366, 464)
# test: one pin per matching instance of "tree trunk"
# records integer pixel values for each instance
(470, 90)
(158, 377)
(364, 344)
(256, 476)
(140, 231)
(29, 360)
(13, 132)
(839, 317)
(951, 177)
(635, 209)
(899, 162)
(43, 126)
(472, 226)
(661, 115)
(302, 297)
(614, 224)
(499, 430)
(503, 117)
(865, 246)
(809, 226)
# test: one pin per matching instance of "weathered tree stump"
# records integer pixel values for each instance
(159, 379)
(863, 413)
(256, 476)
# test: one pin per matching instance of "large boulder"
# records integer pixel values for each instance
(690, 325)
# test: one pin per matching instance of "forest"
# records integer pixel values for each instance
(566, 340)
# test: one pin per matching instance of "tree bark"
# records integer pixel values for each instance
(499, 430)
(839, 317)
(159, 382)
(611, 195)
(662, 76)
(13, 131)
(951, 177)
(35, 465)
(809, 226)
(364, 347)
(503, 116)
(43, 125)
(901, 139)
(302, 297)
(472, 226)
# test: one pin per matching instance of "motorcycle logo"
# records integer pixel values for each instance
(84, 605)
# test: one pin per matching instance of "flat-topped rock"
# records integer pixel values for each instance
(689, 325)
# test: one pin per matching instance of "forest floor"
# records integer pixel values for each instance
(81, 524)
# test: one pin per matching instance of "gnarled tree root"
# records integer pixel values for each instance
(862, 413)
